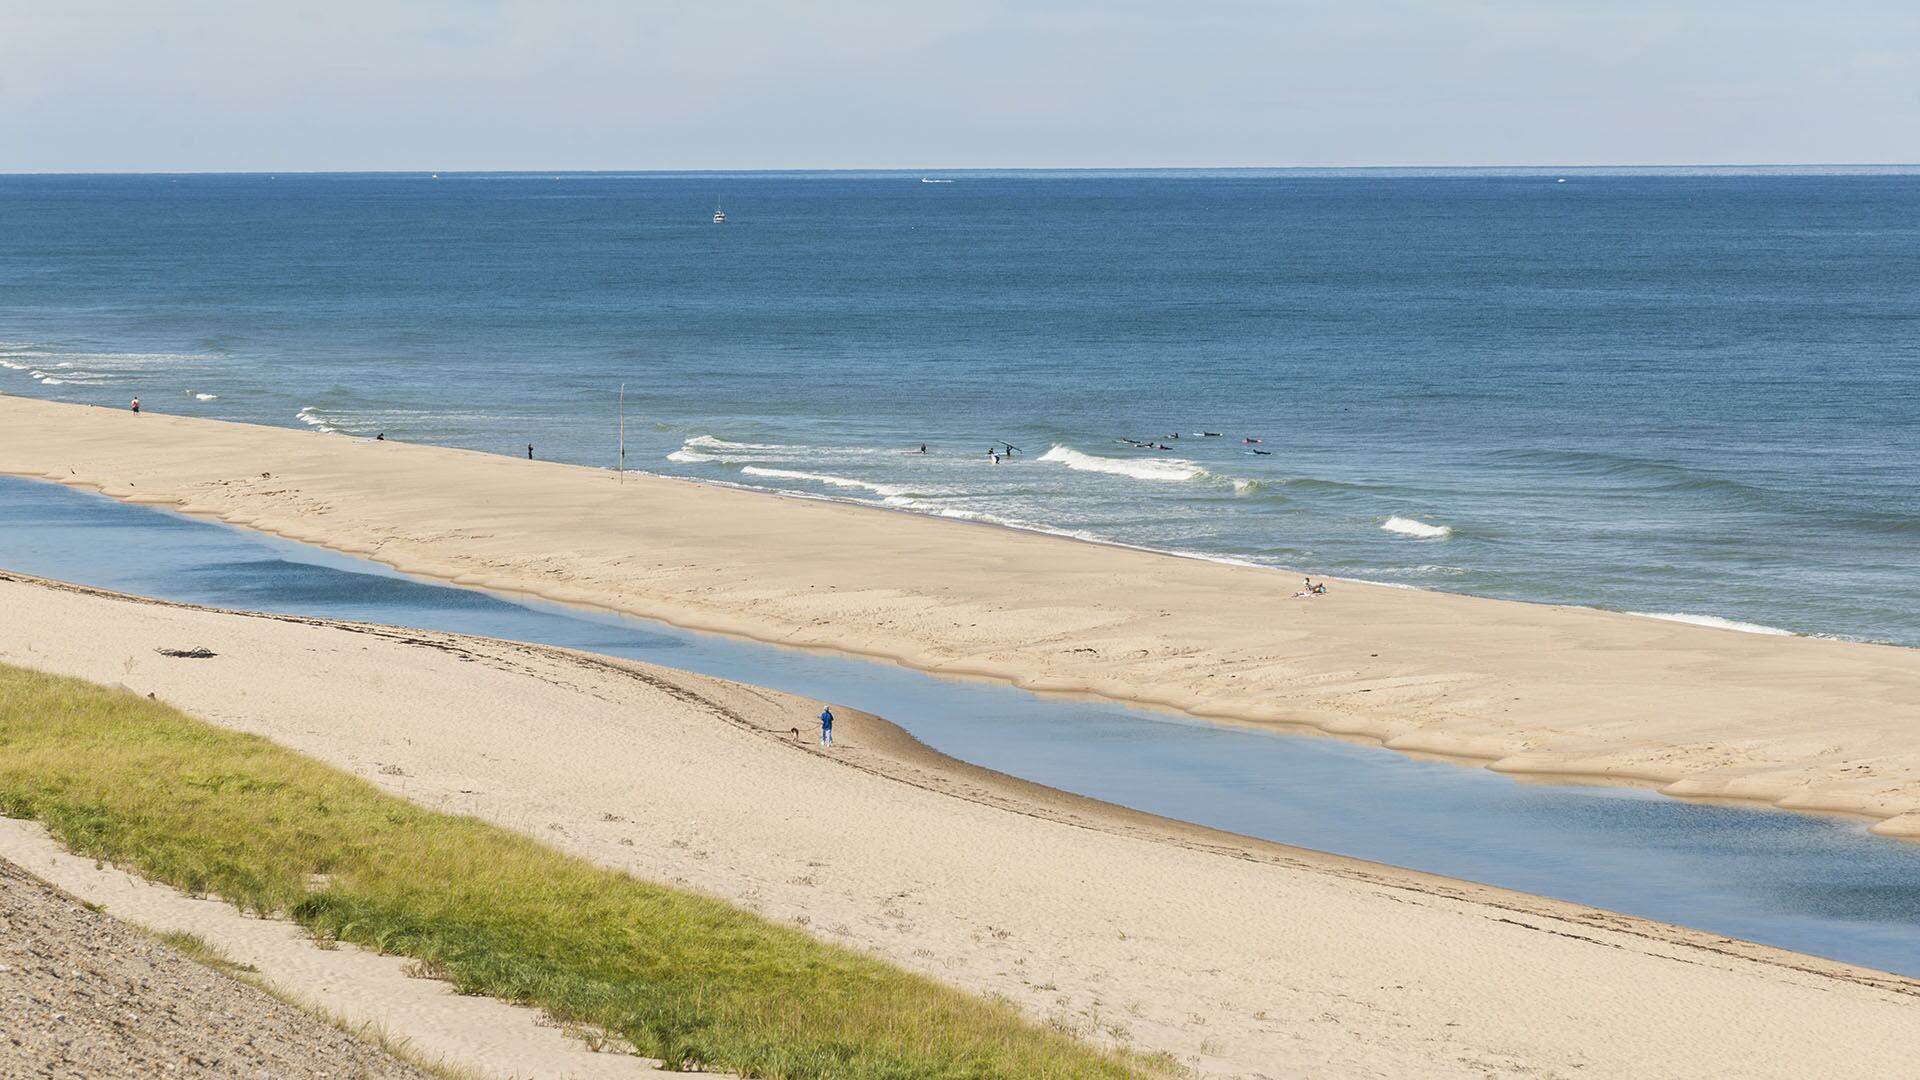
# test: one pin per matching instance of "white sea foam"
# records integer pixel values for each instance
(1714, 621)
(197, 396)
(307, 416)
(712, 443)
(821, 478)
(1419, 530)
(706, 449)
(67, 373)
(1160, 469)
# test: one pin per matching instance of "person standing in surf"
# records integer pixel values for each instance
(826, 726)
(136, 404)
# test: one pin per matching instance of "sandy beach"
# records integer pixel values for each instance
(1245, 958)
(1800, 723)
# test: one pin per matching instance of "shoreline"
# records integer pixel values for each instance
(889, 751)
(1235, 953)
(1777, 746)
(1687, 618)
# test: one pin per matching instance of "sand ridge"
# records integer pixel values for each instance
(1801, 723)
(1241, 957)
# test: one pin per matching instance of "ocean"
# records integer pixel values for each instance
(1688, 393)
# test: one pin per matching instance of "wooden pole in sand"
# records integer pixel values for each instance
(623, 433)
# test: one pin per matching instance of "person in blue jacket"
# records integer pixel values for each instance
(826, 727)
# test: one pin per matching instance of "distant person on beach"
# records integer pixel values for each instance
(136, 404)
(529, 451)
(382, 437)
(826, 727)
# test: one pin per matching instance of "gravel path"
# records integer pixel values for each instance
(82, 995)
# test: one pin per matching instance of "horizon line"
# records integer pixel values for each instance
(931, 169)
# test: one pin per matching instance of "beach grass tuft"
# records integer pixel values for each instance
(680, 977)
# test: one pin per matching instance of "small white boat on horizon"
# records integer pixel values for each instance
(719, 215)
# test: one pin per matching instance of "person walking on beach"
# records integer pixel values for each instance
(826, 726)
(136, 404)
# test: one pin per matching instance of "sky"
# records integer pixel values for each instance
(214, 85)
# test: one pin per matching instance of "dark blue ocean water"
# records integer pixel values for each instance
(1821, 885)
(1667, 392)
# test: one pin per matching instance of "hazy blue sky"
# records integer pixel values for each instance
(603, 84)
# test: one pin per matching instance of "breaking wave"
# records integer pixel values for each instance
(821, 478)
(307, 416)
(1714, 621)
(1160, 469)
(1419, 530)
(707, 449)
(709, 442)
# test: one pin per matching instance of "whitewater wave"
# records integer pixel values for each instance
(887, 490)
(198, 396)
(722, 444)
(1419, 530)
(1165, 470)
(708, 449)
(1714, 621)
(1425, 569)
(307, 416)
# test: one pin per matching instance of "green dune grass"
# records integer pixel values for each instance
(682, 977)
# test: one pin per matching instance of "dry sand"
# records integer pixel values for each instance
(1798, 722)
(82, 995)
(1246, 958)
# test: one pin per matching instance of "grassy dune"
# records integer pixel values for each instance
(681, 977)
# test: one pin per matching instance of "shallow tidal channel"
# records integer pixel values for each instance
(1814, 884)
